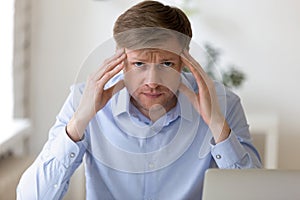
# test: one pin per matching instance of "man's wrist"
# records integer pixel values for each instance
(75, 128)
(220, 131)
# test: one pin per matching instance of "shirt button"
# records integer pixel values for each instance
(151, 165)
(55, 185)
(218, 156)
(72, 155)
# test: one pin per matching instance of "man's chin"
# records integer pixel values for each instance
(150, 106)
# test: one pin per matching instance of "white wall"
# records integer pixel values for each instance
(63, 34)
(262, 37)
(259, 36)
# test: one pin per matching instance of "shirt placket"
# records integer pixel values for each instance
(150, 177)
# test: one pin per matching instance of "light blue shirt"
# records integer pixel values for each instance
(127, 157)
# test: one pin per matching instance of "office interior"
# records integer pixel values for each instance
(47, 42)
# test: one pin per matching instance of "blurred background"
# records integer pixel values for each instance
(44, 42)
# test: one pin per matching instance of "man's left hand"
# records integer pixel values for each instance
(205, 101)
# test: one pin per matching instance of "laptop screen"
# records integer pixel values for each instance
(252, 184)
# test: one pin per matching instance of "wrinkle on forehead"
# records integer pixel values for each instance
(152, 37)
(152, 55)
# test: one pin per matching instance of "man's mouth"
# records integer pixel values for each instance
(152, 95)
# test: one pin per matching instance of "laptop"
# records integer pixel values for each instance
(251, 184)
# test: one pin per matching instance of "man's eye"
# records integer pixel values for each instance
(167, 64)
(138, 64)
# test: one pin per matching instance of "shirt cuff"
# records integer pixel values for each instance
(64, 149)
(227, 152)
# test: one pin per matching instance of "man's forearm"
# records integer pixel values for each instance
(47, 177)
(220, 130)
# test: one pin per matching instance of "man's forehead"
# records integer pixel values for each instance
(150, 52)
(153, 37)
(170, 44)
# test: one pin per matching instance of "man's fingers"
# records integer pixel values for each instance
(118, 53)
(191, 63)
(109, 74)
(115, 88)
(111, 66)
(115, 62)
(110, 63)
(202, 79)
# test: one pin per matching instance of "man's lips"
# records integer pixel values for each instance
(152, 95)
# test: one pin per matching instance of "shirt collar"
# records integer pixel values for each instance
(121, 103)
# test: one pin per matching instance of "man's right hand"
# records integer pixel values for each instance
(94, 96)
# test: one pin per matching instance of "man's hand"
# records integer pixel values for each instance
(206, 101)
(94, 96)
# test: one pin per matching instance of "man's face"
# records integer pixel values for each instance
(152, 77)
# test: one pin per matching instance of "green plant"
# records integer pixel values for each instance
(232, 77)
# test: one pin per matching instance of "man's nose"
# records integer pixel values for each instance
(153, 78)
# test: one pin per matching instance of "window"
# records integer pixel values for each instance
(6, 60)
(14, 131)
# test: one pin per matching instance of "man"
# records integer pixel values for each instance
(147, 129)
